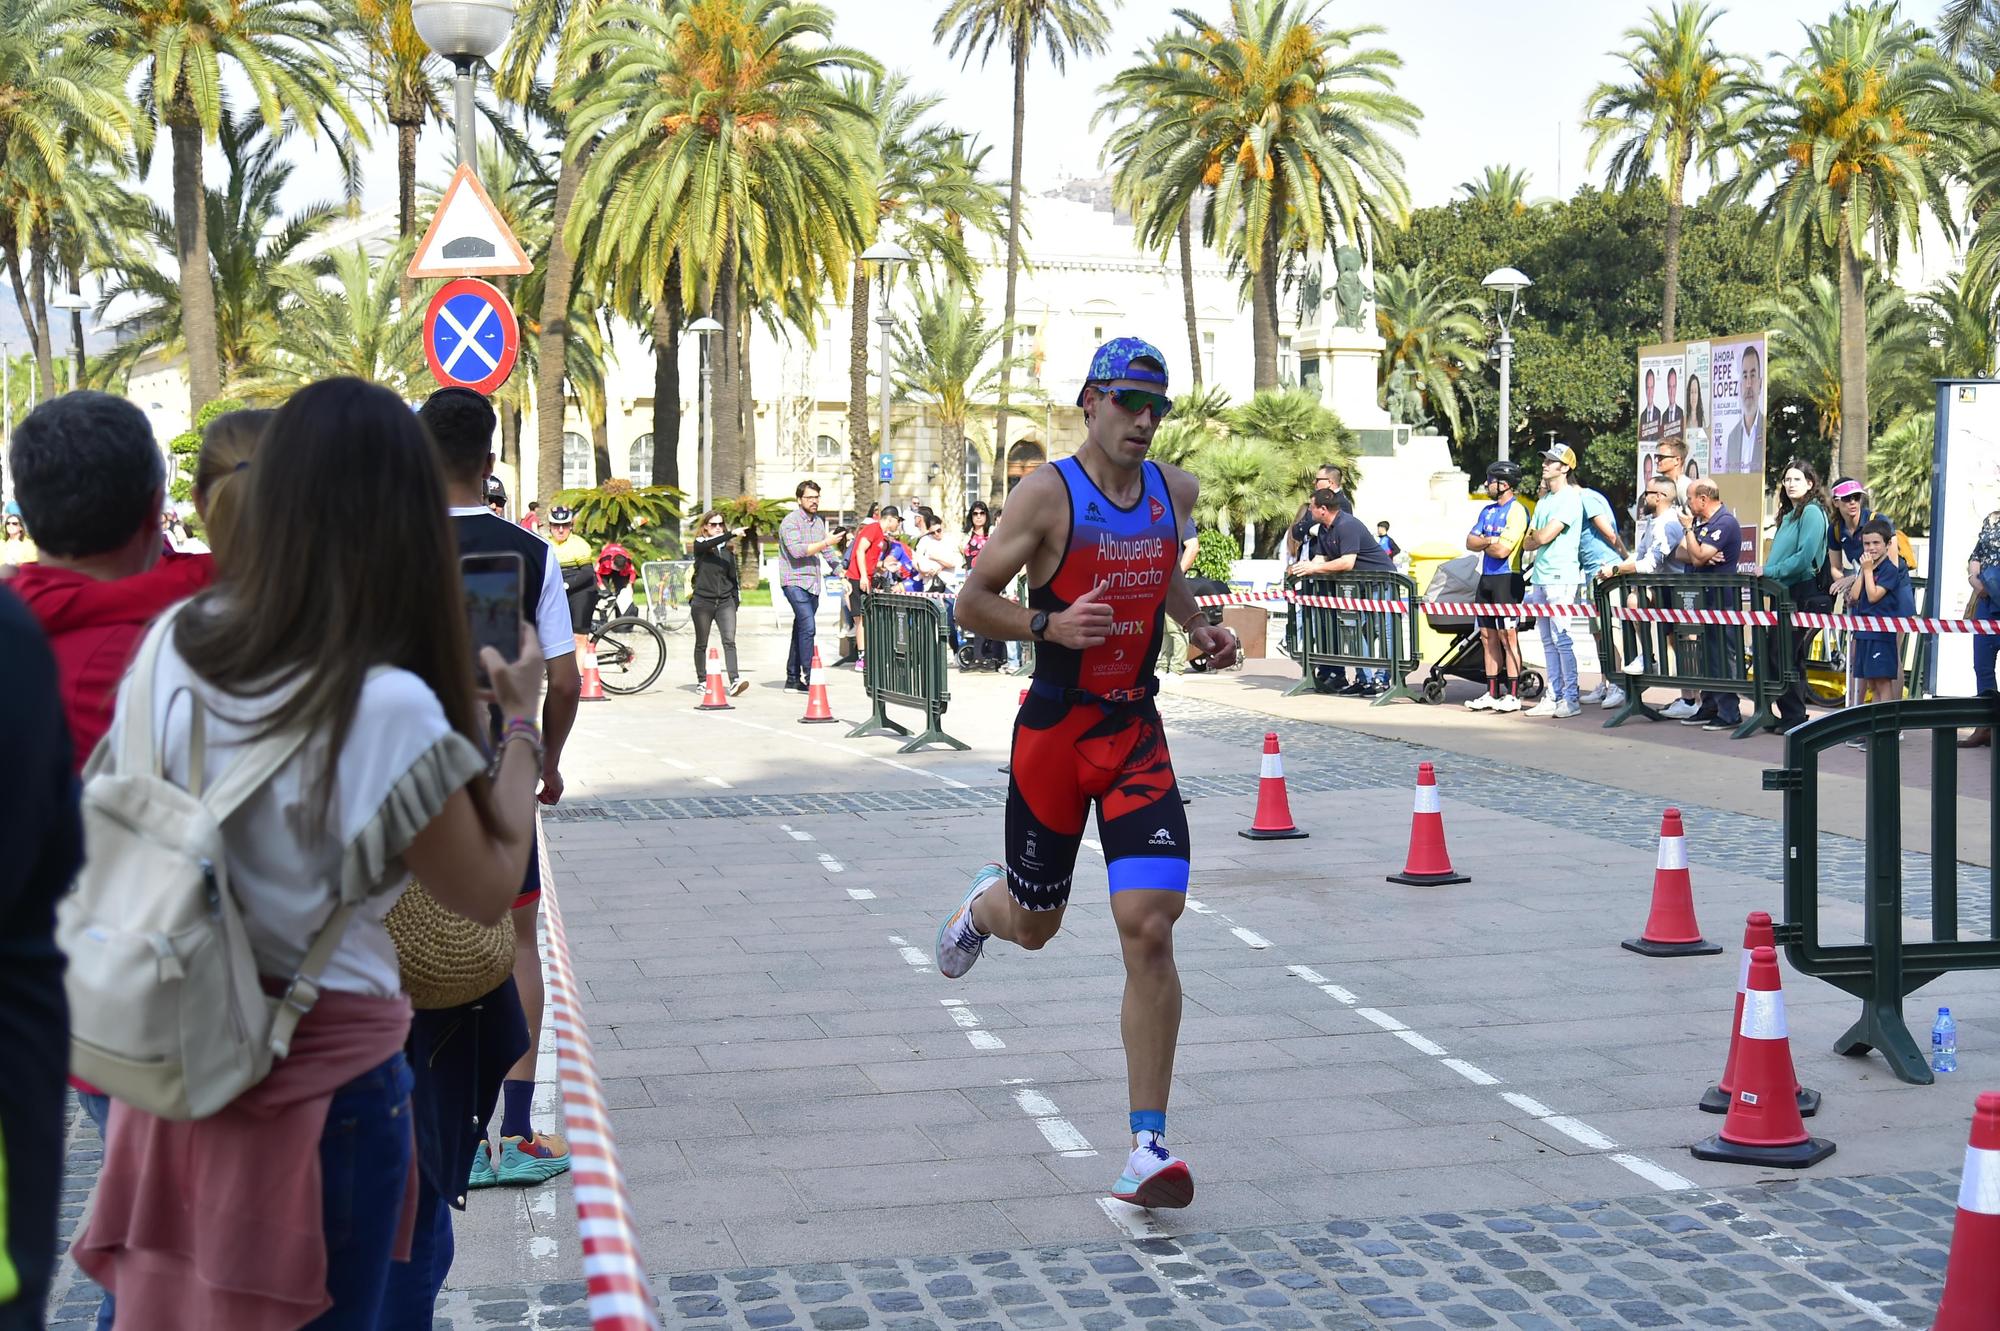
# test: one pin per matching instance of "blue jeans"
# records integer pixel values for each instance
(1985, 648)
(1557, 647)
(410, 1301)
(99, 1109)
(364, 1159)
(805, 607)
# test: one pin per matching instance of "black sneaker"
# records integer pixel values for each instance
(1721, 723)
(1703, 718)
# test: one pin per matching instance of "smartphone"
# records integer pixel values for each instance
(492, 606)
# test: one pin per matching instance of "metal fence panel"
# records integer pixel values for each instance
(1750, 661)
(1323, 637)
(908, 643)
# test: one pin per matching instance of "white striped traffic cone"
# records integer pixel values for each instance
(1972, 1277)
(586, 664)
(1757, 933)
(1273, 820)
(714, 698)
(1764, 1126)
(1429, 863)
(1671, 930)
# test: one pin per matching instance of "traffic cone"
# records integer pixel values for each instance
(1972, 1276)
(713, 698)
(1764, 1126)
(818, 710)
(586, 664)
(1670, 927)
(1273, 821)
(1429, 863)
(1715, 1100)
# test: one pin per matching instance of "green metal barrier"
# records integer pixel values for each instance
(1884, 968)
(908, 643)
(1363, 639)
(1709, 658)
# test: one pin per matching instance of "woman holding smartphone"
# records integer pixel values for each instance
(284, 1209)
(718, 592)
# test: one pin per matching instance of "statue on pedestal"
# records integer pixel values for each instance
(1350, 289)
(1405, 401)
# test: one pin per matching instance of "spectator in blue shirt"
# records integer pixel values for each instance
(1555, 534)
(1713, 545)
(1886, 591)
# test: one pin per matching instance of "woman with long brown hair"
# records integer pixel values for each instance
(1797, 558)
(718, 592)
(338, 620)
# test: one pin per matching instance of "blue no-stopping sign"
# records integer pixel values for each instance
(471, 338)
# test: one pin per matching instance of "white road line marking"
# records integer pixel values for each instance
(988, 1040)
(1198, 908)
(832, 865)
(678, 765)
(915, 956)
(1527, 1104)
(1382, 1019)
(1137, 1223)
(1797, 1258)
(1255, 940)
(1420, 1044)
(1339, 994)
(1093, 845)
(842, 748)
(1036, 1105)
(1057, 1131)
(1477, 1076)
(718, 783)
(1578, 1131)
(860, 894)
(1658, 1175)
(969, 1022)
(796, 835)
(1306, 973)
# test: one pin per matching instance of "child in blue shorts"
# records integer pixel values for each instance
(1884, 590)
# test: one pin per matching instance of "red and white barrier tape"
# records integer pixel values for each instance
(620, 1299)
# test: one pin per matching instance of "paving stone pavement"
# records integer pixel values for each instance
(1790, 1254)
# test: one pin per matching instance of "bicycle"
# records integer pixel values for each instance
(631, 650)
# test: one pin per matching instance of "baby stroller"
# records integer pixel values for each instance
(1465, 657)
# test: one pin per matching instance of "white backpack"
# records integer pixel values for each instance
(167, 1011)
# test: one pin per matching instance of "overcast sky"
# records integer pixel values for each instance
(1497, 83)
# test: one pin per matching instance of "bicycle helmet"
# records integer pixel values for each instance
(496, 493)
(561, 515)
(1505, 471)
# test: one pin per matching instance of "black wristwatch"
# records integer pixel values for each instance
(1039, 624)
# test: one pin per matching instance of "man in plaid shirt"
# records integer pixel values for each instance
(802, 538)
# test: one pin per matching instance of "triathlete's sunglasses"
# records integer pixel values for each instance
(1138, 400)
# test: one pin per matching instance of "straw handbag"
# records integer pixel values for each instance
(447, 959)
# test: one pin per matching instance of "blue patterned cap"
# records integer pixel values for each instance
(1114, 361)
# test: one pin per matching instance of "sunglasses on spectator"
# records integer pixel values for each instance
(1138, 400)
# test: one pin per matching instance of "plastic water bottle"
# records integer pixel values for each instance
(1944, 1042)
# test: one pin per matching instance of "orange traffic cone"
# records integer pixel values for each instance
(1429, 863)
(1670, 927)
(586, 664)
(1273, 820)
(818, 710)
(1972, 1276)
(1764, 1126)
(713, 698)
(1715, 1100)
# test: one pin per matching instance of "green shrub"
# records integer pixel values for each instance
(185, 447)
(635, 517)
(1218, 550)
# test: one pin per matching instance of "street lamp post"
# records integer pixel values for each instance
(464, 32)
(705, 328)
(886, 256)
(73, 301)
(1506, 284)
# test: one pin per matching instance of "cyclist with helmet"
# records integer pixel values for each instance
(579, 566)
(1496, 539)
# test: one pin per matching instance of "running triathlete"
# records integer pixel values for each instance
(1100, 535)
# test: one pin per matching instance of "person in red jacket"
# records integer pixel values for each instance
(90, 481)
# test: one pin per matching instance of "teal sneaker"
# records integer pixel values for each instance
(958, 940)
(482, 1168)
(537, 1159)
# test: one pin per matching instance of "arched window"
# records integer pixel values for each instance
(639, 462)
(1023, 458)
(828, 449)
(578, 466)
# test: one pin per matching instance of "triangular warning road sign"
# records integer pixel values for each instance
(467, 237)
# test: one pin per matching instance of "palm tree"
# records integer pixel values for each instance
(399, 67)
(1062, 28)
(1900, 465)
(1303, 430)
(944, 359)
(1435, 330)
(1857, 138)
(1283, 120)
(1808, 345)
(718, 140)
(1503, 187)
(253, 256)
(1683, 101)
(1964, 315)
(287, 53)
(932, 188)
(1200, 419)
(63, 117)
(341, 316)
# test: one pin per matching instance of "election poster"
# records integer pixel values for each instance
(1695, 379)
(1655, 399)
(1736, 443)
(1707, 398)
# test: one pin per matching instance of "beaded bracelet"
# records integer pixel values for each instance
(523, 729)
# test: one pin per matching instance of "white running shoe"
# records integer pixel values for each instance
(1483, 703)
(958, 939)
(1545, 708)
(1595, 695)
(1565, 710)
(1506, 702)
(1680, 709)
(1613, 697)
(1155, 1177)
